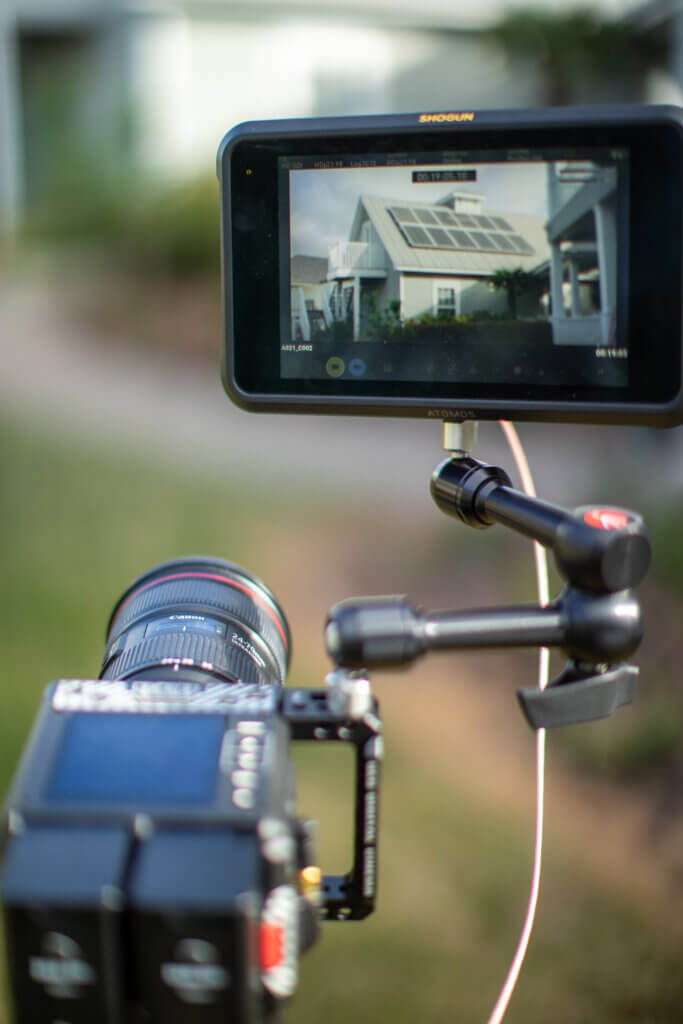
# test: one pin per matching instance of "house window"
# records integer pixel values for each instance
(445, 299)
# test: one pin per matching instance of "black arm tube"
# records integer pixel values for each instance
(521, 626)
(389, 631)
(531, 517)
(602, 550)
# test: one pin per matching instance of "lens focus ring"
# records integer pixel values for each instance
(202, 615)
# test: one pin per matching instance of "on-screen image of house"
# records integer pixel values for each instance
(311, 314)
(582, 232)
(442, 259)
(429, 258)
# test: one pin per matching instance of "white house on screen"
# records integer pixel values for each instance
(430, 258)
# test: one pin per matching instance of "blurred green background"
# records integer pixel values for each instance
(119, 450)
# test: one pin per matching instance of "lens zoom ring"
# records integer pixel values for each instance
(186, 648)
(188, 593)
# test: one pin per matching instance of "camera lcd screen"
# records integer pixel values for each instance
(522, 264)
(473, 267)
(138, 759)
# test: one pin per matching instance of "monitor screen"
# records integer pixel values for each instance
(480, 266)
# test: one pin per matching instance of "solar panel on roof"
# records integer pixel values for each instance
(425, 216)
(505, 243)
(482, 240)
(486, 223)
(417, 236)
(411, 221)
(520, 244)
(462, 240)
(441, 238)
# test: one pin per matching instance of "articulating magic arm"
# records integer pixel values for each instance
(601, 552)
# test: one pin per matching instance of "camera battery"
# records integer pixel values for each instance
(194, 904)
(62, 893)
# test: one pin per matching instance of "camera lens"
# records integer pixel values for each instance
(193, 619)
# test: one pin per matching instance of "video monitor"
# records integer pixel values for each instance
(530, 267)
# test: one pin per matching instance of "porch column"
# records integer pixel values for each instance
(575, 287)
(556, 282)
(356, 308)
(10, 139)
(606, 231)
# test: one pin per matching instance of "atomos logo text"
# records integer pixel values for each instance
(451, 414)
(446, 118)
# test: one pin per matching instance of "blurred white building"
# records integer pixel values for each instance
(163, 81)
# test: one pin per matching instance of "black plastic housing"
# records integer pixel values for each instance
(148, 829)
(256, 254)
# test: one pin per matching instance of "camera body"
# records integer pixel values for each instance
(155, 868)
(155, 861)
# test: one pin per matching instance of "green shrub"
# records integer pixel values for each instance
(644, 746)
(666, 529)
(169, 229)
(174, 230)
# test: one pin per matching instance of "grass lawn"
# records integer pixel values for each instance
(77, 525)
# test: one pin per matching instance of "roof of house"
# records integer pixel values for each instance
(420, 238)
(308, 269)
